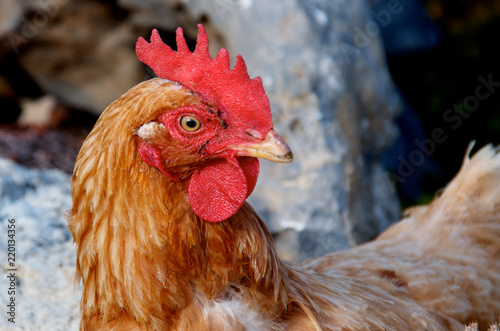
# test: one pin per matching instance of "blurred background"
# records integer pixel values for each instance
(439, 83)
(378, 100)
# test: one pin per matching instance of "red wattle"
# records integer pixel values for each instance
(219, 188)
(250, 167)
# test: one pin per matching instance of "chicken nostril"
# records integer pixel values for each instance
(255, 134)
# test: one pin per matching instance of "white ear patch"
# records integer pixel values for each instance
(150, 130)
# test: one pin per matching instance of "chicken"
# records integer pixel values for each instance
(166, 241)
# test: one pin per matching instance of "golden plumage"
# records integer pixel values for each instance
(147, 262)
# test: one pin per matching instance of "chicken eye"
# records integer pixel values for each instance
(190, 123)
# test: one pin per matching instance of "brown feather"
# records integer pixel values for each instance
(147, 262)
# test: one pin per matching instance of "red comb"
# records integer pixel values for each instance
(228, 88)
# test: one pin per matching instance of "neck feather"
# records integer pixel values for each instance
(141, 249)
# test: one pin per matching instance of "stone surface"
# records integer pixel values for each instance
(10, 13)
(79, 52)
(333, 101)
(45, 295)
(40, 149)
(322, 64)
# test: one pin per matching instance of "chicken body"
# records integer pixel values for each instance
(445, 256)
(166, 241)
(148, 262)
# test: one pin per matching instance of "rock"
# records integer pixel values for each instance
(84, 56)
(21, 21)
(334, 102)
(39, 113)
(10, 14)
(44, 149)
(45, 295)
(323, 66)
(170, 13)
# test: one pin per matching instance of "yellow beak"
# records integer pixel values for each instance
(272, 148)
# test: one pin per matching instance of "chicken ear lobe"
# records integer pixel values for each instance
(152, 157)
(218, 189)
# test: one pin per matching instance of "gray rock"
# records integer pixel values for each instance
(333, 101)
(45, 295)
(81, 53)
(323, 67)
(10, 14)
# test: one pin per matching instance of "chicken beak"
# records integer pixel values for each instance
(272, 148)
